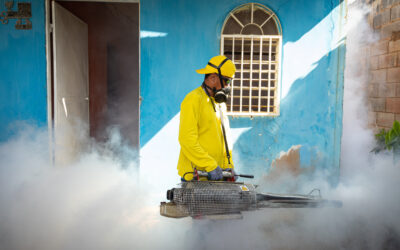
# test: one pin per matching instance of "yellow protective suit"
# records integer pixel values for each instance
(200, 134)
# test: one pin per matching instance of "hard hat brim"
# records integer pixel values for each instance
(207, 70)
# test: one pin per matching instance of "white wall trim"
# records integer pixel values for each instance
(48, 79)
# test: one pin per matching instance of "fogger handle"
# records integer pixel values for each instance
(245, 176)
(225, 174)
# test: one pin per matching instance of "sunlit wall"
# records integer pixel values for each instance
(180, 36)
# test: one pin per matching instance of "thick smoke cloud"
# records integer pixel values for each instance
(95, 203)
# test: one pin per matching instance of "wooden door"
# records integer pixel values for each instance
(71, 78)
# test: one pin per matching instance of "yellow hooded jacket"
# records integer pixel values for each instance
(200, 134)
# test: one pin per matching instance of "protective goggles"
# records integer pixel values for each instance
(227, 80)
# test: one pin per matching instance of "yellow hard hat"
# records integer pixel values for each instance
(220, 65)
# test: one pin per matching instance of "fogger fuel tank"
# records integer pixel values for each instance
(203, 198)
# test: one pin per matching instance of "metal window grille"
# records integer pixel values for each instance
(256, 55)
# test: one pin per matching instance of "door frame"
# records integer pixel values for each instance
(50, 70)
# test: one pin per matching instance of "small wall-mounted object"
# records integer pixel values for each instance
(22, 15)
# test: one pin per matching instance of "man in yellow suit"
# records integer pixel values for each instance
(204, 127)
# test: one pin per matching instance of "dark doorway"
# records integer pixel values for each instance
(113, 53)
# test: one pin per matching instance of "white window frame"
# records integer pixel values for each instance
(239, 81)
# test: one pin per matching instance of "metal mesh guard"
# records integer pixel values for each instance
(206, 198)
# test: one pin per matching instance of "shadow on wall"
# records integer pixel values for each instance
(300, 16)
(308, 118)
(168, 62)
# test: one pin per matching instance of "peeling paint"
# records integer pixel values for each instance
(287, 161)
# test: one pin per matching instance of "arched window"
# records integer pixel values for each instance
(252, 38)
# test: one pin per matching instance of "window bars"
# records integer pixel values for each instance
(255, 88)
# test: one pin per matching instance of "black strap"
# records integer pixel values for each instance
(204, 85)
(228, 155)
(219, 70)
(219, 66)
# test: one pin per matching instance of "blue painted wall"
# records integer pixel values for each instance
(309, 117)
(185, 35)
(311, 105)
(23, 91)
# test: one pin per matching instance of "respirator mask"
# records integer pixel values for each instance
(221, 95)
